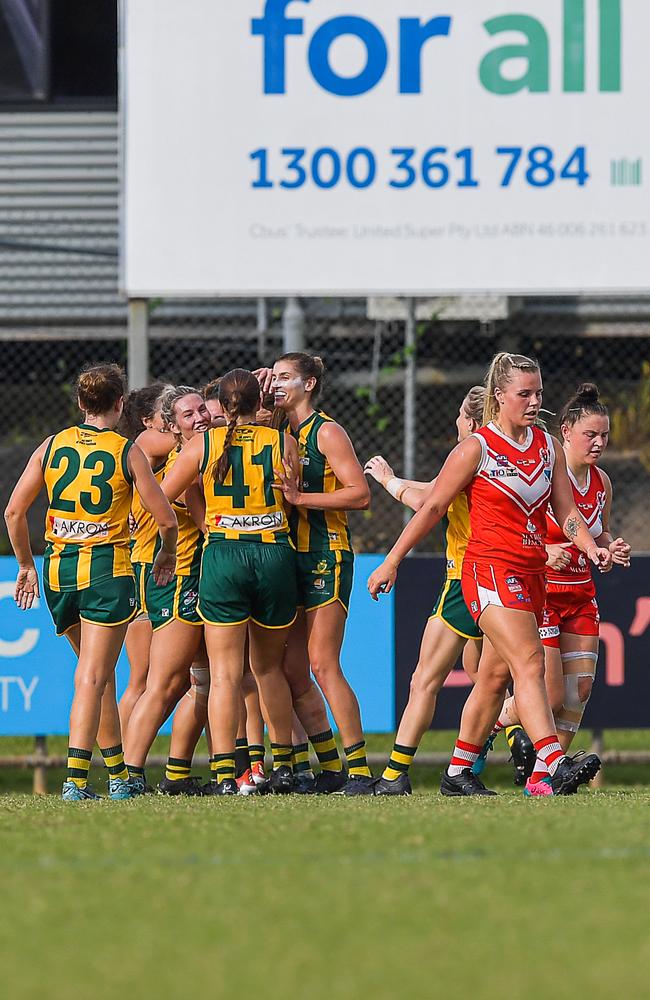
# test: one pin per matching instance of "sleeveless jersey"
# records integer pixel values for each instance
(317, 530)
(246, 507)
(89, 489)
(590, 501)
(145, 540)
(190, 538)
(456, 528)
(508, 498)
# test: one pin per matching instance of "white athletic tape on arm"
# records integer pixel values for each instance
(393, 486)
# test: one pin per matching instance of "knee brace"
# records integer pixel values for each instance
(200, 681)
(574, 707)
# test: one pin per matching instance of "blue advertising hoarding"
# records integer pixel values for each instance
(37, 668)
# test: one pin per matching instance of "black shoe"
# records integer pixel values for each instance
(359, 784)
(328, 782)
(523, 756)
(281, 781)
(226, 787)
(575, 771)
(464, 783)
(186, 786)
(303, 783)
(400, 786)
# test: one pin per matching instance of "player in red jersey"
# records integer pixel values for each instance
(570, 628)
(511, 470)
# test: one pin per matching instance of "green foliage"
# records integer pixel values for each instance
(630, 419)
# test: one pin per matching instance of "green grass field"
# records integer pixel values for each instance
(327, 898)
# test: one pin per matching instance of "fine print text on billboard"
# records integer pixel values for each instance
(364, 146)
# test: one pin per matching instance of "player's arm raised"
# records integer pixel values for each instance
(410, 492)
(459, 468)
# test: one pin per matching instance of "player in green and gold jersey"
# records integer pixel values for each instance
(141, 413)
(89, 473)
(177, 628)
(331, 483)
(450, 628)
(248, 576)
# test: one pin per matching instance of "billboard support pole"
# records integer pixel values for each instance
(138, 343)
(293, 326)
(410, 392)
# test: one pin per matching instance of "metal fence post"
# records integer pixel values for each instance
(410, 397)
(597, 746)
(262, 329)
(40, 773)
(293, 326)
(138, 344)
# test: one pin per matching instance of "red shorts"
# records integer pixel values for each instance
(504, 587)
(574, 611)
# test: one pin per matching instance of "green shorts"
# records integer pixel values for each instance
(177, 600)
(324, 577)
(248, 581)
(109, 602)
(450, 606)
(142, 572)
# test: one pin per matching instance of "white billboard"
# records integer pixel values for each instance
(412, 147)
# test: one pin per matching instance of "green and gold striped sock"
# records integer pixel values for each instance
(135, 772)
(177, 769)
(78, 766)
(242, 758)
(324, 746)
(281, 755)
(356, 758)
(401, 759)
(222, 766)
(114, 761)
(301, 762)
(256, 753)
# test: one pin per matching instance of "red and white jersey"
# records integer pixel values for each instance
(590, 501)
(508, 498)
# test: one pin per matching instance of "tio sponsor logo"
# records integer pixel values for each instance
(498, 68)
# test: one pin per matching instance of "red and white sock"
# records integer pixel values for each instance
(463, 756)
(549, 754)
(540, 772)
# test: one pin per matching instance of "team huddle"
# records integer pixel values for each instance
(207, 529)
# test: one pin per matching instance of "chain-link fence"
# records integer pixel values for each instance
(366, 359)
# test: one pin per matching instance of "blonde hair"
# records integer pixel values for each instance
(474, 403)
(168, 400)
(500, 375)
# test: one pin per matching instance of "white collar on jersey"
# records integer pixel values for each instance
(582, 490)
(520, 447)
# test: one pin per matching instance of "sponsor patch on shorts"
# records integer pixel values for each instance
(549, 631)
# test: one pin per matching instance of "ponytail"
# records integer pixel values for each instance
(584, 402)
(499, 375)
(239, 394)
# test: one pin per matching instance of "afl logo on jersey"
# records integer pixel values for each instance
(502, 461)
(545, 456)
(601, 497)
